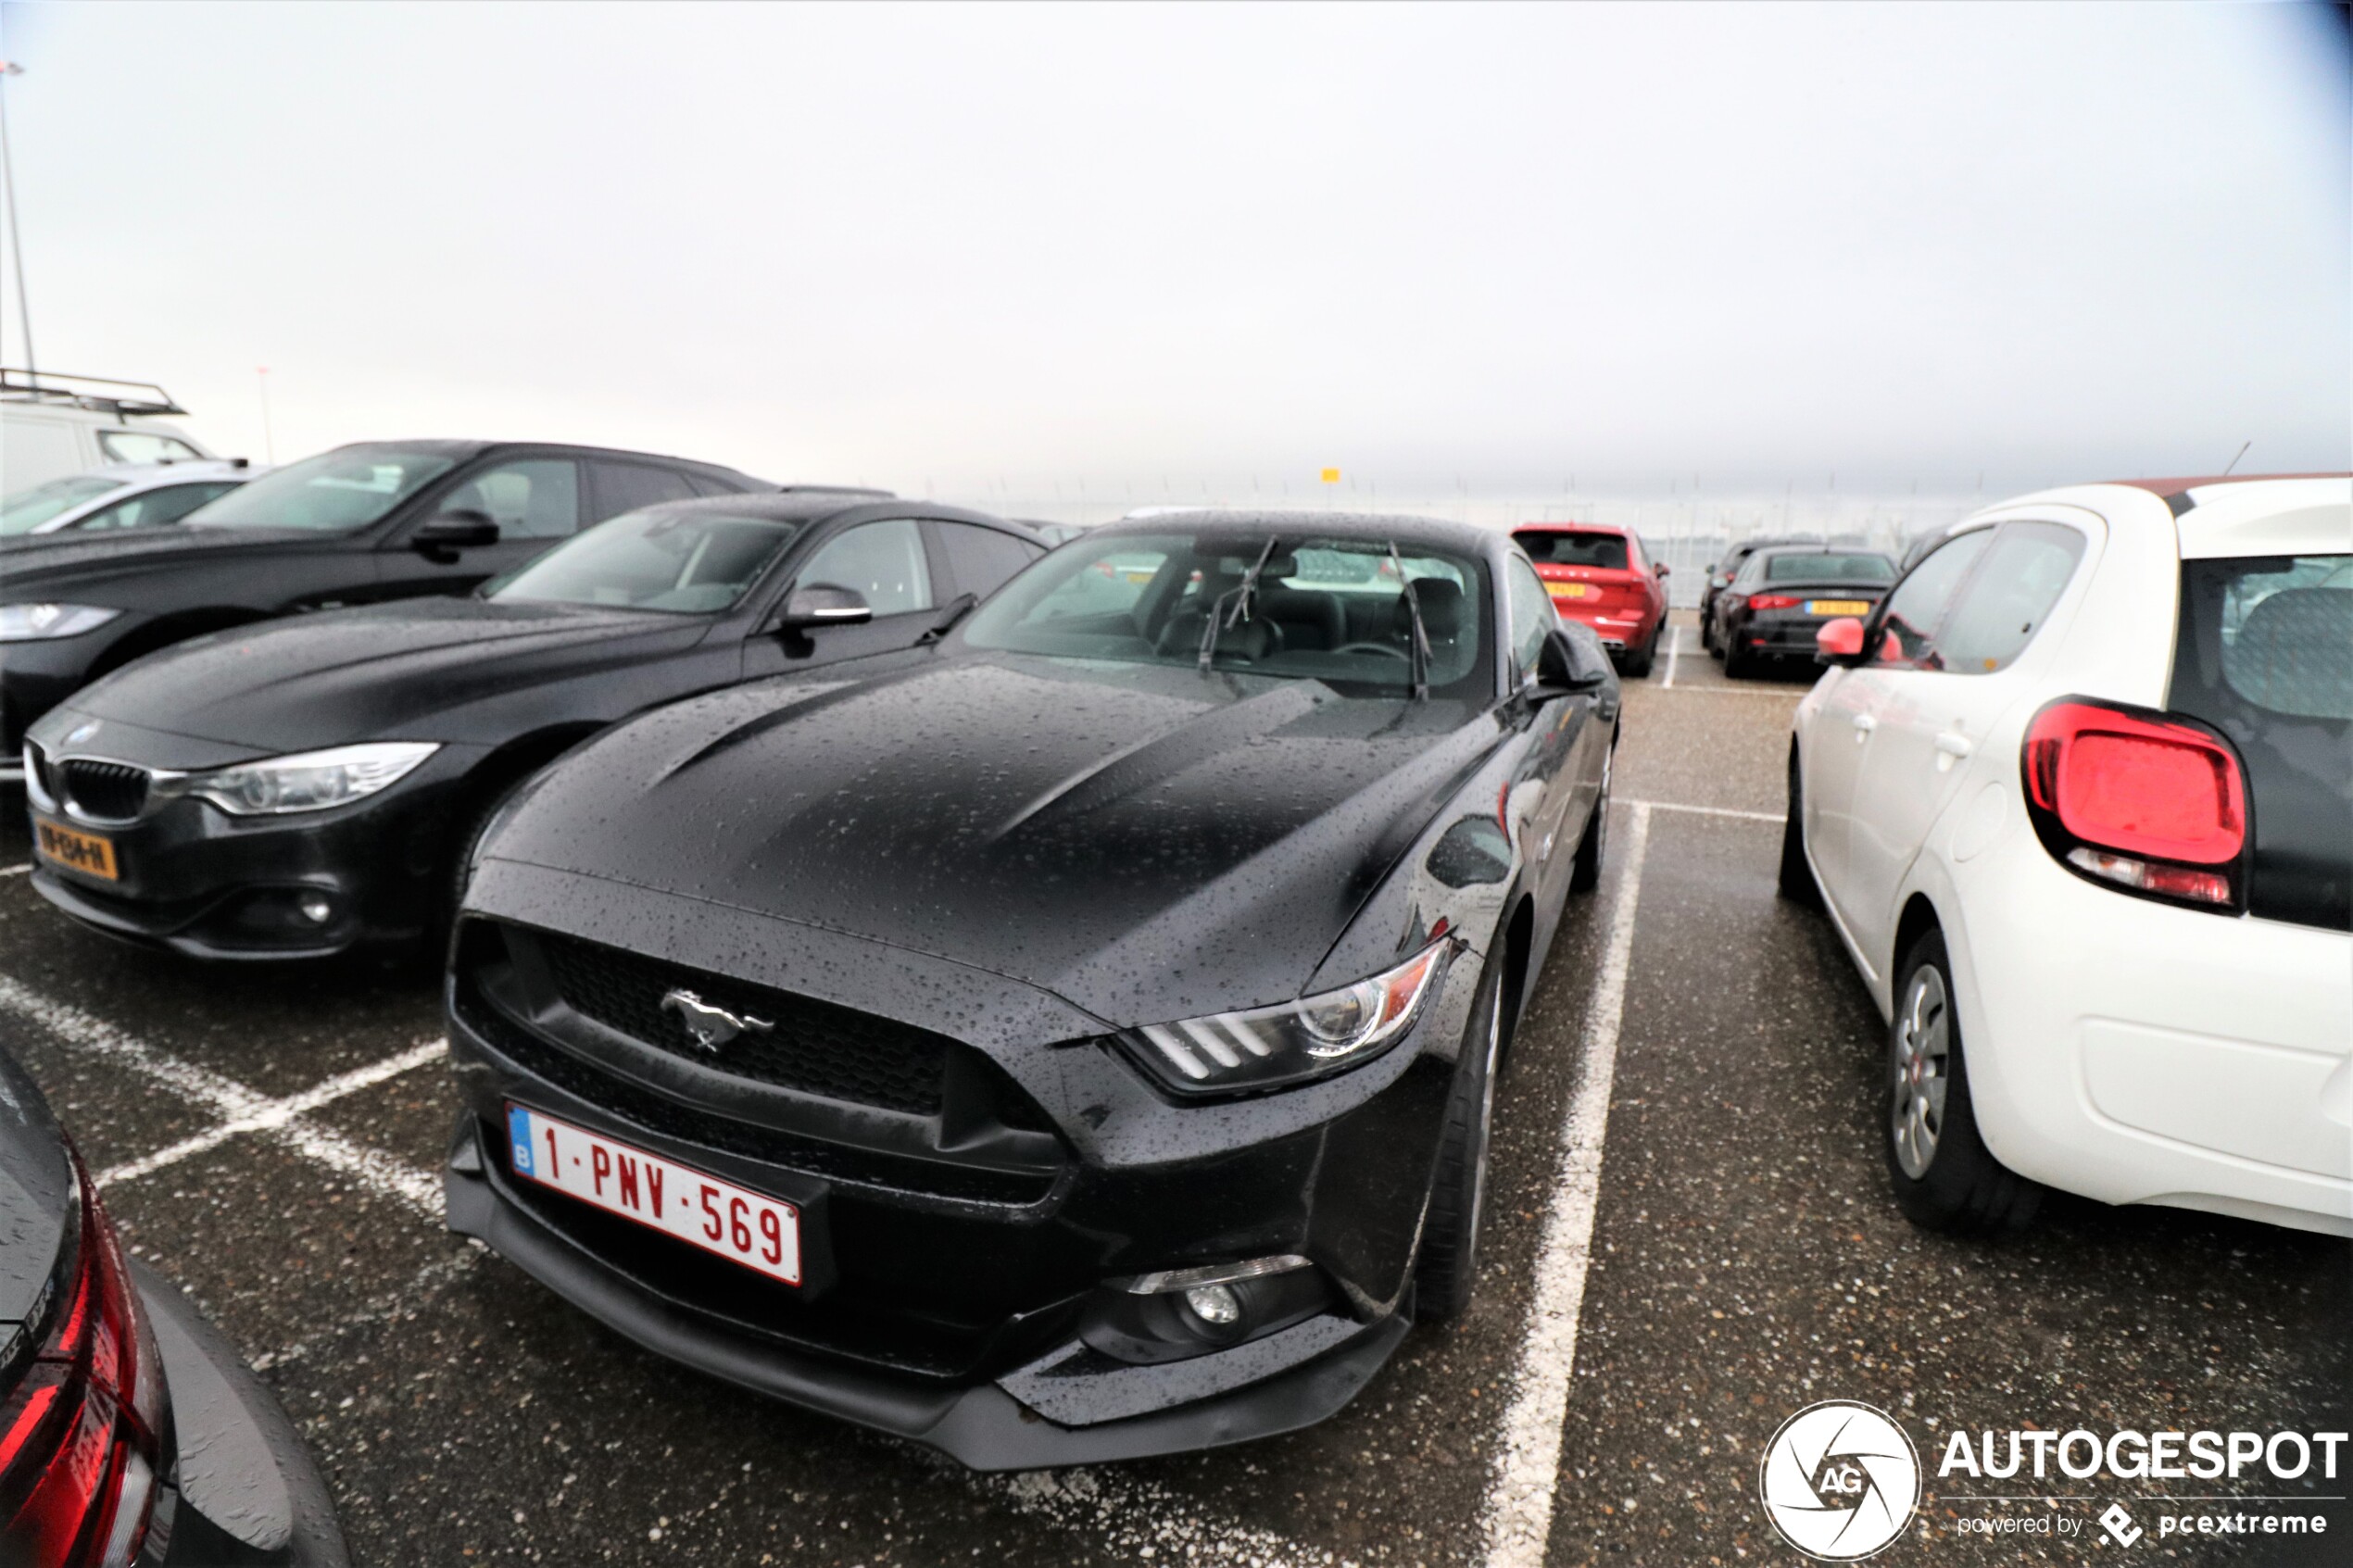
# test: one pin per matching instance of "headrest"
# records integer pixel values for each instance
(2294, 653)
(1442, 605)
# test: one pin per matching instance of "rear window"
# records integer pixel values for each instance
(2264, 653)
(1607, 551)
(1829, 569)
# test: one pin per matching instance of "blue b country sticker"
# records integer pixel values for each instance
(519, 1134)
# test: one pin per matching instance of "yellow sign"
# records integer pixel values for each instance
(1331, 476)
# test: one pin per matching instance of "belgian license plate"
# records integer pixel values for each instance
(1569, 590)
(88, 853)
(1838, 607)
(761, 1233)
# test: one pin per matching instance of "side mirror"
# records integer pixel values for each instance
(1710, 568)
(1568, 664)
(824, 604)
(1660, 569)
(462, 529)
(1840, 641)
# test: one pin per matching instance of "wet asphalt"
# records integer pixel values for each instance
(1745, 1264)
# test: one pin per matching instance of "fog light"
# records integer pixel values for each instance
(1215, 1304)
(315, 908)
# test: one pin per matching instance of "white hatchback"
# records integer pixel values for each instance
(2080, 795)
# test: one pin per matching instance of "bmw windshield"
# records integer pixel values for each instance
(333, 493)
(684, 559)
(1302, 607)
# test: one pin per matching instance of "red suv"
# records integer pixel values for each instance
(1600, 575)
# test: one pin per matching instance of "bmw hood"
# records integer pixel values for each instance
(1137, 839)
(380, 670)
(30, 558)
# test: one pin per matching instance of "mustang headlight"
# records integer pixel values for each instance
(32, 622)
(1303, 1039)
(309, 780)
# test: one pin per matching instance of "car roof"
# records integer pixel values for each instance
(461, 449)
(2217, 516)
(1332, 525)
(814, 503)
(1618, 528)
(183, 471)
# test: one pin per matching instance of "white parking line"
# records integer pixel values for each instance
(276, 1114)
(14, 871)
(1519, 1501)
(226, 1097)
(1674, 647)
(1707, 811)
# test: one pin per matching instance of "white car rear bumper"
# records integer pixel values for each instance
(2135, 1052)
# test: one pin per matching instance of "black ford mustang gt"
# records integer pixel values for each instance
(130, 1433)
(1073, 1040)
(308, 787)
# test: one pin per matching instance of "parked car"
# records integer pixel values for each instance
(308, 785)
(2079, 799)
(376, 521)
(53, 425)
(119, 495)
(1603, 576)
(1074, 1039)
(130, 1433)
(1785, 592)
(1720, 577)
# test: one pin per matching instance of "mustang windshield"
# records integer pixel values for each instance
(682, 560)
(1322, 608)
(331, 492)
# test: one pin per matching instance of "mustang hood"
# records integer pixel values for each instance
(1139, 840)
(392, 670)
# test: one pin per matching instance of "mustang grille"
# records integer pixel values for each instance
(813, 1046)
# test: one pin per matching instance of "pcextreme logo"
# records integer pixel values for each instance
(1840, 1481)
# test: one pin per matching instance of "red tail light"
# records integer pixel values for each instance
(2149, 802)
(79, 1433)
(1772, 601)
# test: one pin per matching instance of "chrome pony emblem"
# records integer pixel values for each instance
(711, 1026)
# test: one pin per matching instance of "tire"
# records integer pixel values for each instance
(1737, 665)
(1797, 884)
(1586, 874)
(466, 830)
(1447, 1269)
(1944, 1177)
(1708, 636)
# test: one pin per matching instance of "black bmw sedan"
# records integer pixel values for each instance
(1073, 1040)
(129, 1431)
(308, 787)
(1785, 593)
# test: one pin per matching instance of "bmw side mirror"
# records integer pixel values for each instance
(824, 604)
(1568, 665)
(460, 529)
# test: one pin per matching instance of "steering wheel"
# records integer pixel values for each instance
(1389, 649)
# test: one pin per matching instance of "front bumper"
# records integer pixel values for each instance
(244, 1491)
(201, 882)
(983, 1425)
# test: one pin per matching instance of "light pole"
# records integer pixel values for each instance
(16, 235)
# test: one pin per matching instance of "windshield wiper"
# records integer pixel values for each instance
(1420, 651)
(1240, 595)
(958, 607)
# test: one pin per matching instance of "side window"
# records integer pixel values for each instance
(149, 507)
(145, 446)
(536, 498)
(882, 560)
(1532, 614)
(2023, 572)
(1916, 609)
(624, 487)
(980, 559)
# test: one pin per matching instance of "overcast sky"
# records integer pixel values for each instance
(958, 246)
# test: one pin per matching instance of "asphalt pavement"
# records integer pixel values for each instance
(1689, 1241)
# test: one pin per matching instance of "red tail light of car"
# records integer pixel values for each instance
(80, 1432)
(2151, 803)
(1772, 601)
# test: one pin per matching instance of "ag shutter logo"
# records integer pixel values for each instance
(1840, 1481)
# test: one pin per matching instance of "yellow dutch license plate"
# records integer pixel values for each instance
(1569, 590)
(84, 852)
(1838, 607)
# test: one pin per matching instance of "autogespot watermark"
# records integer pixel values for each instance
(1841, 1481)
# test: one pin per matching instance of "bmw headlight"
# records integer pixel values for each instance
(309, 780)
(32, 622)
(1308, 1039)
